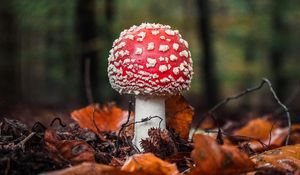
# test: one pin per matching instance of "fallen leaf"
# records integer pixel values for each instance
(257, 128)
(150, 164)
(285, 158)
(297, 172)
(179, 115)
(261, 128)
(105, 118)
(182, 160)
(211, 158)
(89, 168)
(278, 138)
(74, 151)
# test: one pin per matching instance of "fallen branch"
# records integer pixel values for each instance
(20, 145)
(249, 90)
(61, 123)
(124, 125)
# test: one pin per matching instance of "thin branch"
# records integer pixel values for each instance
(20, 145)
(226, 100)
(146, 119)
(95, 125)
(123, 126)
(87, 81)
(142, 121)
(290, 99)
(284, 108)
(239, 137)
(61, 123)
(249, 90)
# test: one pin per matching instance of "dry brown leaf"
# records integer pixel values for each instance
(179, 115)
(211, 158)
(278, 138)
(284, 158)
(74, 151)
(89, 169)
(107, 118)
(257, 128)
(261, 128)
(149, 164)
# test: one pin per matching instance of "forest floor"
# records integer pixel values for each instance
(96, 139)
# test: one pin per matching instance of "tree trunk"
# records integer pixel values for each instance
(9, 65)
(278, 46)
(87, 33)
(208, 61)
(110, 13)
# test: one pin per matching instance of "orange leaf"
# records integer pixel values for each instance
(89, 168)
(150, 164)
(257, 128)
(179, 115)
(75, 151)
(211, 158)
(107, 118)
(284, 158)
(261, 128)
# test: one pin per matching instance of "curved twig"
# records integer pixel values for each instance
(248, 90)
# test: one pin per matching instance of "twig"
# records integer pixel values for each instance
(20, 145)
(59, 121)
(123, 126)
(38, 127)
(95, 125)
(264, 81)
(284, 108)
(87, 81)
(226, 100)
(240, 137)
(290, 99)
(141, 121)
(146, 119)
(93, 117)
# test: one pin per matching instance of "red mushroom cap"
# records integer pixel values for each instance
(150, 59)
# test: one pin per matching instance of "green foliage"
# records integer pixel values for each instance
(49, 44)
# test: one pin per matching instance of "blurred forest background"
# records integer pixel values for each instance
(48, 49)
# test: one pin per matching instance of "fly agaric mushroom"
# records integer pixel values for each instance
(151, 61)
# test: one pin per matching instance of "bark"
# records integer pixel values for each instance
(208, 61)
(87, 33)
(278, 46)
(9, 65)
(110, 13)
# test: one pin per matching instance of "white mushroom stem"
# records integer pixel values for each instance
(146, 107)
